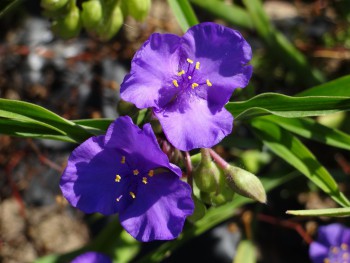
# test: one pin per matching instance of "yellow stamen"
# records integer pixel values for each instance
(335, 250)
(151, 173)
(189, 61)
(123, 159)
(144, 180)
(136, 172)
(326, 260)
(344, 246)
(181, 73)
(209, 83)
(175, 83)
(189, 77)
(117, 178)
(197, 65)
(194, 85)
(132, 195)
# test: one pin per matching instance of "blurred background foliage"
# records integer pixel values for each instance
(71, 56)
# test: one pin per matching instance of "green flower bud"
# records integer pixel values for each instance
(199, 210)
(69, 25)
(53, 5)
(245, 183)
(206, 174)
(138, 9)
(111, 23)
(91, 15)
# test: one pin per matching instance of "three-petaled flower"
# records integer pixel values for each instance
(126, 172)
(332, 245)
(188, 80)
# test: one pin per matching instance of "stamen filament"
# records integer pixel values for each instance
(119, 198)
(175, 83)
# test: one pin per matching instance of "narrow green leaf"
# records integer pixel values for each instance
(311, 129)
(246, 252)
(280, 47)
(229, 12)
(184, 13)
(333, 212)
(7, 5)
(293, 151)
(337, 87)
(286, 106)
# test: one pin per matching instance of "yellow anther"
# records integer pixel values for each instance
(132, 195)
(189, 77)
(136, 172)
(335, 250)
(326, 260)
(346, 255)
(197, 65)
(209, 83)
(194, 85)
(175, 83)
(123, 159)
(117, 178)
(344, 246)
(189, 61)
(151, 173)
(144, 180)
(181, 73)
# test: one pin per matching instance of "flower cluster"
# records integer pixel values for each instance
(332, 245)
(186, 81)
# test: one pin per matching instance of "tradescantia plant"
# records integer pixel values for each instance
(155, 179)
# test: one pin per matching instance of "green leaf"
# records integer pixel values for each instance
(333, 212)
(214, 216)
(311, 129)
(245, 252)
(280, 47)
(231, 13)
(7, 5)
(293, 151)
(286, 106)
(184, 13)
(41, 118)
(337, 87)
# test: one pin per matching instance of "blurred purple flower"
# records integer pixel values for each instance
(332, 245)
(188, 80)
(125, 172)
(92, 257)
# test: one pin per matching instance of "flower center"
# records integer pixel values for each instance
(134, 180)
(338, 254)
(189, 78)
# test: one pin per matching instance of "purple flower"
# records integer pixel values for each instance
(125, 172)
(188, 80)
(332, 245)
(92, 257)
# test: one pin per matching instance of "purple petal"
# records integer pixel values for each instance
(92, 257)
(223, 54)
(193, 125)
(140, 146)
(152, 69)
(88, 180)
(331, 235)
(159, 210)
(318, 252)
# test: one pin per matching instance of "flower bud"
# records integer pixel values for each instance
(245, 183)
(138, 9)
(91, 15)
(111, 23)
(199, 210)
(53, 5)
(206, 174)
(69, 25)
